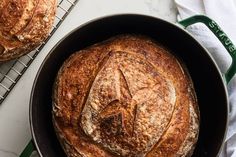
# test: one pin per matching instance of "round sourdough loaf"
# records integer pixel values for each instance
(24, 24)
(127, 96)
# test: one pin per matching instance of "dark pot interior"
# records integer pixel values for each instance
(207, 79)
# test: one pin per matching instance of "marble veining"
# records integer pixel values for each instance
(7, 153)
(163, 9)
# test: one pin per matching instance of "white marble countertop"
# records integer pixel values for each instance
(14, 111)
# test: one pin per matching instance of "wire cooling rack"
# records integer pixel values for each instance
(11, 72)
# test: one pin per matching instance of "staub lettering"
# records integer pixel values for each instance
(232, 48)
(223, 37)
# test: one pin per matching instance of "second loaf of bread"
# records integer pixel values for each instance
(24, 24)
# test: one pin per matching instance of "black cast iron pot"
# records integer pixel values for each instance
(209, 83)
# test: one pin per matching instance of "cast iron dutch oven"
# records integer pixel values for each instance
(210, 84)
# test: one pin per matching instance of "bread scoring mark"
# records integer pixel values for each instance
(25, 19)
(124, 83)
(114, 111)
(125, 103)
(100, 65)
(135, 117)
(2, 49)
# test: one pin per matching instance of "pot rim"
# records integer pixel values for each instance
(176, 26)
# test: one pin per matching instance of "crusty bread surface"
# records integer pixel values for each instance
(127, 96)
(24, 25)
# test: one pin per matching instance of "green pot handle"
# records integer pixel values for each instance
(227, 43)
(29, 149)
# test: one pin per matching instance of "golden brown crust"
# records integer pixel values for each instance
(11, 12)
(24, 24)
(26, 16)
(127, 96)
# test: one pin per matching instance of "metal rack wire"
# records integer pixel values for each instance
(11, 72)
